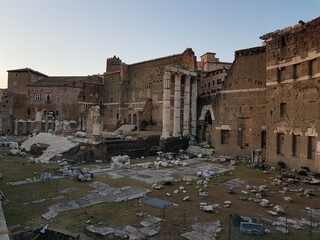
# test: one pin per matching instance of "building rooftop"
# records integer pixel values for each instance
(59, 81)
(27, 70)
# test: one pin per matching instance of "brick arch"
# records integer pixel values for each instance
(204, 111)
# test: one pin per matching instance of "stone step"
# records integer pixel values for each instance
(193, 149)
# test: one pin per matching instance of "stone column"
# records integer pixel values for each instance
(46, 125)
(194, 108)
(166, 105)
(177, 106)
(16, 127)
(38, 122)
(186, 108)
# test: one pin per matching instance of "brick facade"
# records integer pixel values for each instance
(41, 103)
(239, 125)
(135, 92)
(293, 78)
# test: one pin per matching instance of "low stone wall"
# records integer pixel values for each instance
(133, 148)
(174, 144)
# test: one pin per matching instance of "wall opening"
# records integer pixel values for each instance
(295, 144)
(311, 147)
(263, 139)
(225, 135)
(280, 142)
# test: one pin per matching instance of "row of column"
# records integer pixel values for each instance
(190, 102)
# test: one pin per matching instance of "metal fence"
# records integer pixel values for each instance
(306, 227)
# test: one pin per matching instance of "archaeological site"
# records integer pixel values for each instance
(176, 147)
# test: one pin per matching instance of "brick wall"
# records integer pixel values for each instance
(293, 80)
(240, 106)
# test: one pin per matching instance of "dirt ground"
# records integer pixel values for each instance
(24, 204)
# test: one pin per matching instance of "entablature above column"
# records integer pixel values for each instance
(182, 71)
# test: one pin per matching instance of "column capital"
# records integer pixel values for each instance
(167, 75)
(188, 76)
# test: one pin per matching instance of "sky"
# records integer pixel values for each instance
(75, 37)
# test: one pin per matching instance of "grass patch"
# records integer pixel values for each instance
(19, 208)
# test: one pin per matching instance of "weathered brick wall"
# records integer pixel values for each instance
(66, 105)
(293, 96)
(145, 81)
(240, 107)
(110, 110)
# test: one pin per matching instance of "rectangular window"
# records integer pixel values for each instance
(218, 81)
(48, 98)
(295, 145)
(212, 82)
(311, 147)
(263, 139)
(58, 98)
(208, 84)
(280, 71)
(37, 97)
(311, 67)
(295, 71)
(28, 112)
(282, 41)
(225, 137)
(57, 113)
(283, 109)
(280, 142)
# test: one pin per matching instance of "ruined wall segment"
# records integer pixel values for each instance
(135, 92)
(239, 125)
(293, 80)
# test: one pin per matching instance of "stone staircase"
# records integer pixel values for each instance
(125, 128)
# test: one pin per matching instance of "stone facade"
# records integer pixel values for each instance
(293, 80)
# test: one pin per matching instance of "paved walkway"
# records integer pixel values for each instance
(4, 233)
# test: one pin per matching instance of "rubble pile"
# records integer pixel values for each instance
(121, 161)
(56, 145)
(203, 231)
(147, 228)
(169, 159)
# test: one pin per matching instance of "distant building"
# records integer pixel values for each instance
(212, 74)
(41, 103)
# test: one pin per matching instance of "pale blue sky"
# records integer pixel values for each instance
(74, 37)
